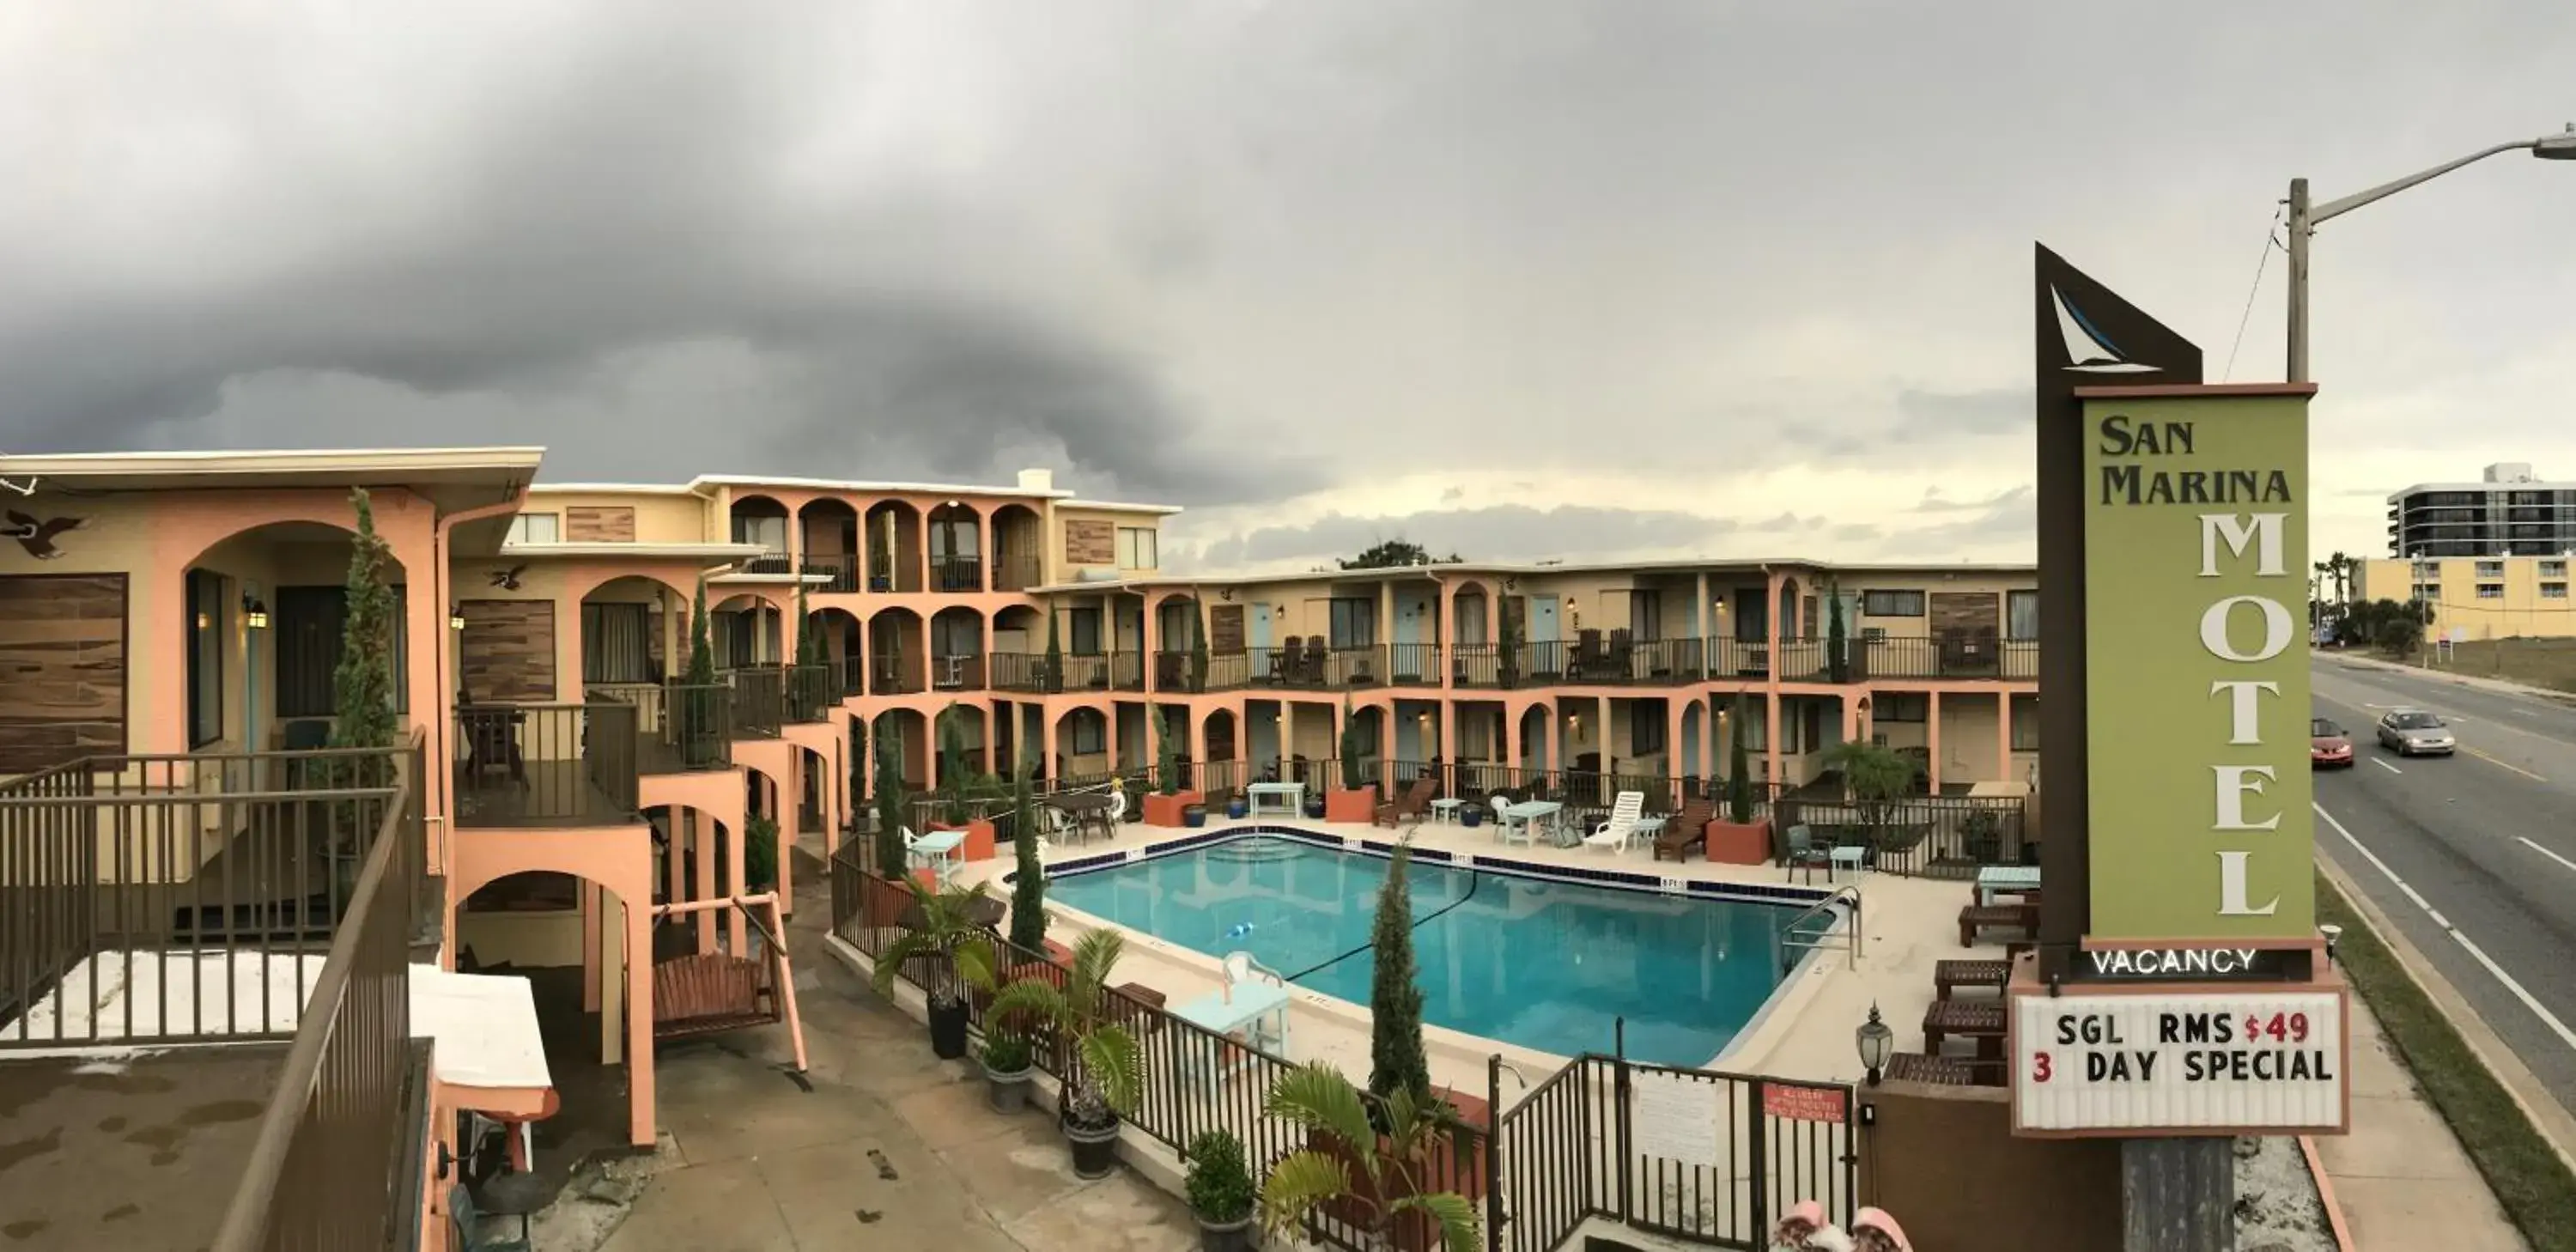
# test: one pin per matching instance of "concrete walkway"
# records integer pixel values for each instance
(893, 1148)
(2400, 1177)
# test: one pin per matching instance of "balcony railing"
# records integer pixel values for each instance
(956, 573)
(1178, 671)
(812, 692)
(773, 561)
(1019, 671)
(336, 1161)
(957, 673)
(886, 574)
(895, 674)
(759, 701)
(839, 571)
(1127, 671)
(684, 729)
(1413, 664)
(1318, 666)
(1015, 571)
(547, 764)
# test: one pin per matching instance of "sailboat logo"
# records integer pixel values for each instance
(2088, 350)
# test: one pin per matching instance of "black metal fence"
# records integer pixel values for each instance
(1929, 836)
(759, 701)
(1699, 1156)
(541, 764)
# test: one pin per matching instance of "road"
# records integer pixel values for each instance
(2474, 855)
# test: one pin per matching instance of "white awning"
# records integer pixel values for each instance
(484, 1027)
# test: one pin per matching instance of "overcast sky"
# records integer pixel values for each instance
(1518, 278)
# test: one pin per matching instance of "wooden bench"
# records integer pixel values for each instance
(1938, 1071)
(707, 992)
(1976, 917)
(1978, 1020)
(1950, 976)
(1138, 1006)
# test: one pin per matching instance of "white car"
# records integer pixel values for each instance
(2414, 732)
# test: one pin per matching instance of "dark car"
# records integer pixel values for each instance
(2328, 746)
(2414, 732)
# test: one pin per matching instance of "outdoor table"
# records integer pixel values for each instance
(1446, 809)
(1255, 1008)
(1527, 812)
(1841, 855)
(937, 851)
(1259, 795)
(1939, 1071)
(1995, 880)
(1087, 809)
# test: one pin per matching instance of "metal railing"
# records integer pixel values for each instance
(678, 728)
(1015, 571)
(327, 1170)
(956, 573)
(1928, 836)
(813, 692)
(759, 701)
(886, 574)
(537, 764)
(1413, 664)
(895, 674)
(838, 570)
(961, 672)
(125, 879)
(1127, 671)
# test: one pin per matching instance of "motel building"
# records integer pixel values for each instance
(476, 921)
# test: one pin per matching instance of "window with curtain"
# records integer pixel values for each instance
(2025, 723)
(208, 629)
(535, 528)
(311, 626)
(1352, 621)
(1902, 706)
(1090, 733)
(1136, 548)
(616, 643)
(1471, 620)
(1892, 603)
(2021, 615)
(1645, 618)
(1645, 728)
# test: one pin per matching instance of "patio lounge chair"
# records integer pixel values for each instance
(1318, 658)
(1414, 803)
(1687, 830)
(1620, 658)
(1624, 814)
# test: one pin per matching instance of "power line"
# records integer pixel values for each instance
(2271, 240)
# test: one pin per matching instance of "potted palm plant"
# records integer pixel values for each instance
(946, 936)
(1386, 1191)
(1168, 803)
(1009, 1063)
(1107, 1076)
(1220, 1191)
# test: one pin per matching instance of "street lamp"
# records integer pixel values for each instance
(2305, 218)
(1873, 1038)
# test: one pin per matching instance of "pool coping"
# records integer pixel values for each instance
(1462, 1043)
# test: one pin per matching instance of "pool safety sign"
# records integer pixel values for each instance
(2192, 1062)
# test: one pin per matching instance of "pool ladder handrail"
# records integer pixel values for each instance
(1850, 942)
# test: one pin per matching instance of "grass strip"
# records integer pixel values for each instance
(2526, 1174)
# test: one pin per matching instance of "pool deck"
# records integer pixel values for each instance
(1805, 1032)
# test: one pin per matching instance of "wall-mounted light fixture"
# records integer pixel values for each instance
(204, 622)
(1874, 1040)
(456, 617)
(254, 613)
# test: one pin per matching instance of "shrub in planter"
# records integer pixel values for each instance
(1008, 1064)
(1194, 815)
(1374, 1171)
(946, 957)
(1315, 807)
(1110, 1078)
(1238, 808)
(1220, 1191)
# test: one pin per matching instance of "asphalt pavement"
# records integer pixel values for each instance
(2474, 855)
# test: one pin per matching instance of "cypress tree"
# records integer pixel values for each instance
(1198, 646)
(1397, 1061)
(1053, 678)
(1028, 884)
(952, 768)
(810, 686)
(698, 704)
(1739, 783)
(1350, 749)
(890, 801)
(362, 687)
(1167, 753)
(1837, 662)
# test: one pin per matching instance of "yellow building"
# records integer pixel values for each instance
(2487, 597)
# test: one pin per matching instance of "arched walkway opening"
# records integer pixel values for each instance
(894, 547)
(898, 658)
(827, 537)
(905, 734)
(633, 634)
(762, 520)
(264, 628)
(567, 935)
(1081, 745)
(956, 548)
(1018, 539)
(1176, 625)
(745, 632)
(844, 649)
(957, 650)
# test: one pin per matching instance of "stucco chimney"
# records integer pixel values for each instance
(1037, 481)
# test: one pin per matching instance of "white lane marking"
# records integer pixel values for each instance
(2510, 984)
(2386, 766)
(2547, 853)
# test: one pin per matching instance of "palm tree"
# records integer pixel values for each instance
(1110, 1077)
(1392, 1178)
(947, 932)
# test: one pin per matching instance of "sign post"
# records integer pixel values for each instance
(2179, 997)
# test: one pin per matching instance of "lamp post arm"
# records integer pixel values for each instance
(2337, 208)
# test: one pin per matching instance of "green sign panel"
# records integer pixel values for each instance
(2196, 667)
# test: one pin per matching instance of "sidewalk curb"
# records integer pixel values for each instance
(2326, 1195)
(2551, 1119)
(2497, 686)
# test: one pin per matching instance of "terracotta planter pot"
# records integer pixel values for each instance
(1748, 844)
(882, 902)
(1163, 810)
(979, 839)
(1462, 1172)
(1358, 808)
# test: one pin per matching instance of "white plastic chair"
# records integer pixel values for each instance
(1625, 810)
(1241, 967)
(942, 865)
(1053, 825)
(1506, 829)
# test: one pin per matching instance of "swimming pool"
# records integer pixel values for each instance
(1542, 965)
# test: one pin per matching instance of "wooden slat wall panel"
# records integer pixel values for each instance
(1225, 628)
(63, 665)
(585, 523)
(1966, 613)
(1090, 543)
(508, 650)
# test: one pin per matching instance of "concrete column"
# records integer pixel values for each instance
(1932, 736)
(921, 540)
(1151, 633)
(588, 893)
(2003, 735)
(604, 929)
(1441, 631)
(1601, 744)
(1196, 723)
(703, 827)
(1701, 621)
(639, 1026)
(1046, 740)
(1448, 737)
(1771, 614)
(1675, 764)
(1512, 736)
(1771, 732)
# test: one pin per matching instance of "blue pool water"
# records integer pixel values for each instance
(1543, 965)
